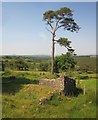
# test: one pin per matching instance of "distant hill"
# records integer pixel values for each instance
(28, 57)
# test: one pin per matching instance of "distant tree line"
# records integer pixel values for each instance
(16, 64)
(62, 63)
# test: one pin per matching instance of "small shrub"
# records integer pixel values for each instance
(7, 73)
(54, 100)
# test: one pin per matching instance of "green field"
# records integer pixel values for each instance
(21, 95)
(21, 99)
(86, 62)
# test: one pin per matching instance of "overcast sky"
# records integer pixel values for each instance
(24, 31)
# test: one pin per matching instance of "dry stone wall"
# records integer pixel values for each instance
(58, 83)
(68, 85)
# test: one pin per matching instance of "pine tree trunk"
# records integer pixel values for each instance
(52, 67)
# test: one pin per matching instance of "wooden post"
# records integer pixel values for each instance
(95, 92)
(84, 91)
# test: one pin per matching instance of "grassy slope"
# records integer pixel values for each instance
(21, 100)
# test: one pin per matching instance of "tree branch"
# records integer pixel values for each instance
(48, 22)
(56, 24)
(56, 40)
(49, 30)
(60, 26)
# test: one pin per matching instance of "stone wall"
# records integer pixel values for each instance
(58, 83)
(68, 85)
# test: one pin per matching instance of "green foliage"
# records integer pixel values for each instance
(64, 62)
(7, 73)
(85, 64)
(21, 65)
(14, 63)
(44, 66)
(36, 63)
(62, 18)
(66, 43)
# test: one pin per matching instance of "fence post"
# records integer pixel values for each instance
(84, 90)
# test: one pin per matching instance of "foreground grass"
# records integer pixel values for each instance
(21, 100)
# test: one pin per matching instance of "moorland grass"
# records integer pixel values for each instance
(21, 98)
